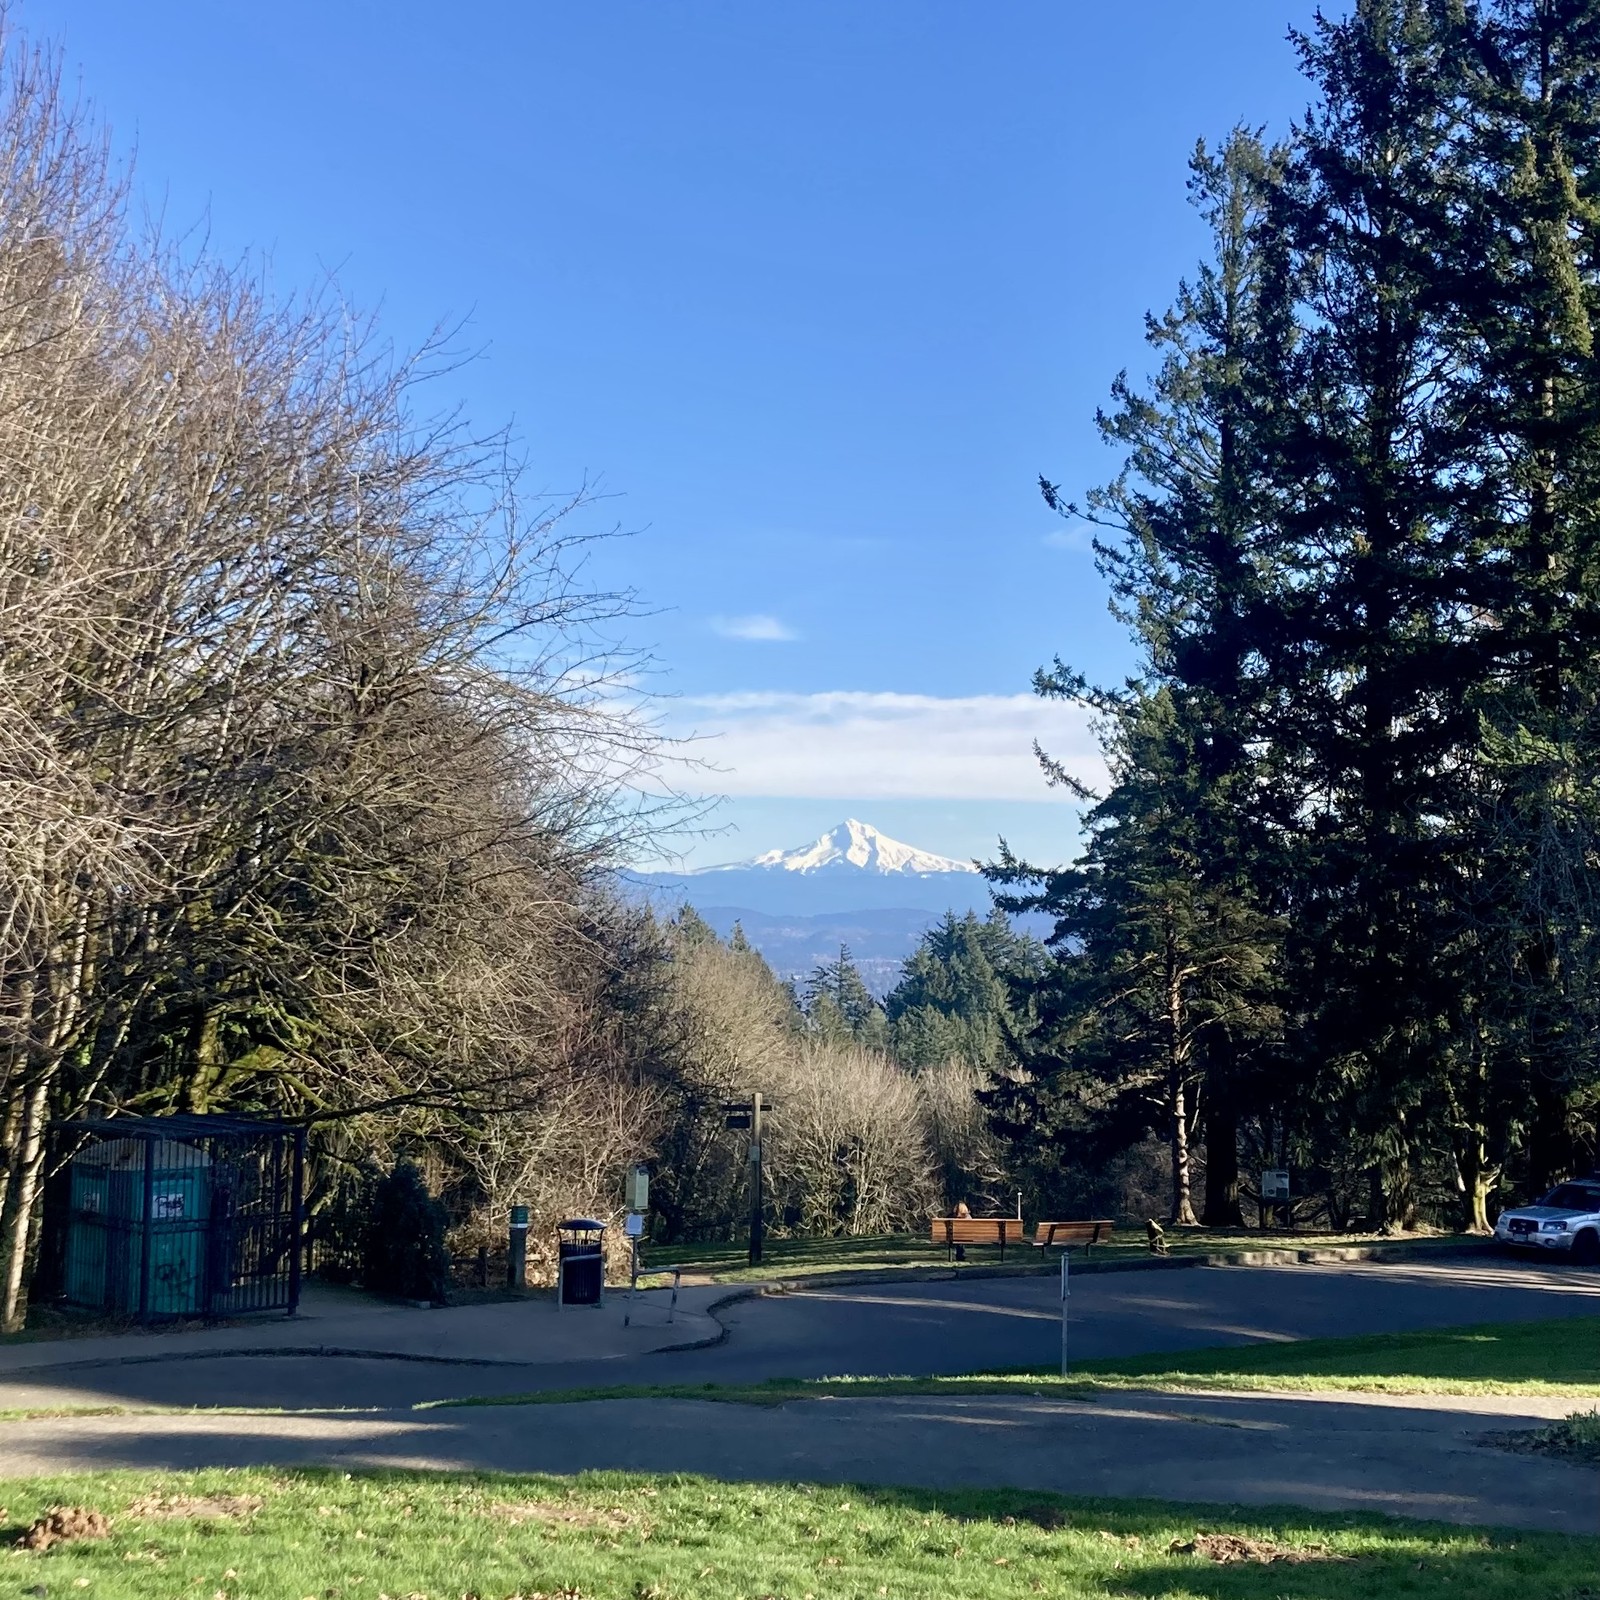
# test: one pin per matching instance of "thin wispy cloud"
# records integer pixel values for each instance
(758, 628)
(862, 745)
(1077, 536)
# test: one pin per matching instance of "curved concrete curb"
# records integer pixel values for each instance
(752, 1292)
(294, 1350)
(351, 1352)
(787, 1286)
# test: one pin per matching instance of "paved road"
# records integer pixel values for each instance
(1351, 1455)
(1422, 1458)
(884, 1329)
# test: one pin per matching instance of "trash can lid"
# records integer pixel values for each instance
(582, 1225)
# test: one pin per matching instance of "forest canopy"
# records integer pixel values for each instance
(1337, 911)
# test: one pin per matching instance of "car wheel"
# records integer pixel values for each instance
(1586, 1248)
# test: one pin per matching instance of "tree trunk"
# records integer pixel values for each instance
(22, 1192)
(1222, 1207)
(1399, 1193)
(1475, 1178)
(1182, 1202)
(1552, 1150)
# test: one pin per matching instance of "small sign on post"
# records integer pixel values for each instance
(1275, 1194)
(639, 1187)
(517, 1249)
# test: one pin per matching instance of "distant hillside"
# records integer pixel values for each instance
(794, 946)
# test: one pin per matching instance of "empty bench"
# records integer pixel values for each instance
(1063, 1235)
(951, 1231)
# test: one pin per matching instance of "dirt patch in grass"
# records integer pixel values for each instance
(174, 1506)
(1047, 1517)
(1230, 1547)
(63, 1525)
(562, 1514)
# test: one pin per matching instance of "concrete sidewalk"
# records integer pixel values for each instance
(333, 1321)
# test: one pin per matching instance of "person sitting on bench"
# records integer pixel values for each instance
(961, 1211)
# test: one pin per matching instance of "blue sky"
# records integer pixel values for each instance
(814, 291)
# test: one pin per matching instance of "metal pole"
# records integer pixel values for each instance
(144, 1228)
(755, 1180)
(1065, 1290)
(633, 1278)
(297, 1207)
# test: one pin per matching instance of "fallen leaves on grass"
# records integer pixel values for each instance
(1047, 1517)
(1227, 1547)
(62, 1524)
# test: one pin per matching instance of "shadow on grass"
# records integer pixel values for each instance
(1165, 1549)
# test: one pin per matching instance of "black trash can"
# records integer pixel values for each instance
(580, 1262)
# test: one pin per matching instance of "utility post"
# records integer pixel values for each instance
(751, 1114)
(756, 1208)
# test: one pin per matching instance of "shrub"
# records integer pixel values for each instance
(403, 1250)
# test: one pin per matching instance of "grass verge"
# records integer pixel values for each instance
(1552, 1357)
(284, 1535)
(1557, 1358)
(1574, 1438)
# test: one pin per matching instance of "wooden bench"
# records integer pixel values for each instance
(1063, 1235)
(951, 1231)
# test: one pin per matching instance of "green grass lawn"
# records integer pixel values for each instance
(803, 1258)
(288, 1535)
(1558, 1358)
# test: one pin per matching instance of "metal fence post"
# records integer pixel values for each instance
(297, 1207)
(144, 1228)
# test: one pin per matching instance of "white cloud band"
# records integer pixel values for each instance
(855, 745)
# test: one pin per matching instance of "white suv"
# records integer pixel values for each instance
(1567, 1219)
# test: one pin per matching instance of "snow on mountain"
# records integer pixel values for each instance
(850, 844)
(852, 868)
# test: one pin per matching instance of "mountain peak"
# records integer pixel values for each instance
(858, 845)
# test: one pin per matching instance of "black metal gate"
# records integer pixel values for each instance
(162, 1217)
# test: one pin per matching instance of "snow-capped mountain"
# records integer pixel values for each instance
(853, 867)
(854, 886)
(851, 844)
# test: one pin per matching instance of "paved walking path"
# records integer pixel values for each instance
(347, 1323)
(876, 1329)
(1347, 1454)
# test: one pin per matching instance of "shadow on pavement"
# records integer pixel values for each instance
(1251, 1449)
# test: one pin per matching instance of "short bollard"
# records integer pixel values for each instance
(517, 1253)
(1065, 1291)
